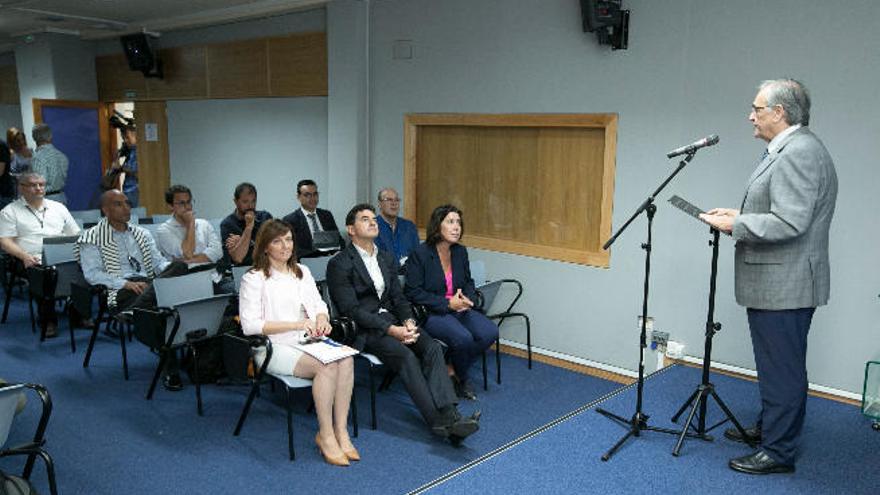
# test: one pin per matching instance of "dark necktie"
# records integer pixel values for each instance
(314, 222)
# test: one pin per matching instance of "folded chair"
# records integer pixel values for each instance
(188, 313)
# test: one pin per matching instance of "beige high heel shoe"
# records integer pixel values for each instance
(339, 460)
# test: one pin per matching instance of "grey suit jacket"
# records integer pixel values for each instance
(781, 234)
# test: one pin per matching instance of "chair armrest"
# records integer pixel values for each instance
(81, 297)
(46, 401)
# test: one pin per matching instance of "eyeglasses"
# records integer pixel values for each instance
(755, 109)
(135, 264)
(34, 185)
(392, 200)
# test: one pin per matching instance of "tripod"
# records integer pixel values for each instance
(639, 421)
(699, 399)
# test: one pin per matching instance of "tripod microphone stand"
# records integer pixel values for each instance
(699, 399)
(639, 420)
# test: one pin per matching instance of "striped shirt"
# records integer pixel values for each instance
(51, 163)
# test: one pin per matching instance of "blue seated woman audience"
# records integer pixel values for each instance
(438, 276)
(279, 299)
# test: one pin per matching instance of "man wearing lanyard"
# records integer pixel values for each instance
(23, 225)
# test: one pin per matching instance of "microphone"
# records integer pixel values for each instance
(710, 140)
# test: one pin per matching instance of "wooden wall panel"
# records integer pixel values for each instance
(9, 87)
(153, 170)
(238, 70)
(185, 74)
(298, 65)
(529, 184)
(115, 79)
(294, 65)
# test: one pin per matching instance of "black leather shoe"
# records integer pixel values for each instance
(753, 435)
(172, 383)
(759, 463)
(457, 428)
(463, 390)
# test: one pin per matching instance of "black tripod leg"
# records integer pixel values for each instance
(632, 431)
(685, 406)
(687, 424)
(619, 419)
(732, 418)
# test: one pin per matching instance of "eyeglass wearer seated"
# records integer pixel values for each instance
(279, 299)
(438, 276)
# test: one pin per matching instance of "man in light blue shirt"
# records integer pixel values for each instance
(124, 258)
(397, 235)
(50, 162)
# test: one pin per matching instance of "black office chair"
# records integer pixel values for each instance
(9, 394)
(486, 294)
(238, 356)
(188, 314)
(14, 275)
(82, 296)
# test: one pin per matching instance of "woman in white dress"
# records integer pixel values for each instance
(279, 299)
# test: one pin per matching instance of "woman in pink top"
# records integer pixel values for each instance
(278, 298)
(438, 276)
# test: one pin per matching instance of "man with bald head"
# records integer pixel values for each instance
(124, 258)
(397, 235)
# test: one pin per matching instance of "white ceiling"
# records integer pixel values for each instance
(97, 19)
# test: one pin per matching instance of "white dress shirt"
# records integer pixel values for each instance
(28, 226)
(372, 263)
(171, 233)
(309, 220)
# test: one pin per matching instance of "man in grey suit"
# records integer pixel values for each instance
(781, 265)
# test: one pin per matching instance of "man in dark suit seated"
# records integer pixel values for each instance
(308, 220)
(364, 286)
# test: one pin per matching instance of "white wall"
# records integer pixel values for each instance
(691, 69)
(10, 116)
(273, 143)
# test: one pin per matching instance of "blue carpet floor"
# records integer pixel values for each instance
(839, 450)
(107, 439)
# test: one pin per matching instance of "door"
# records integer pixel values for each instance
(80, 130)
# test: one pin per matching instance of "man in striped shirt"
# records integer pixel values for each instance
(50, 162)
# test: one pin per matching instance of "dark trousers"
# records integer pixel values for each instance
(779, 339)
(126, 299)
(422, 369)
(467, 334)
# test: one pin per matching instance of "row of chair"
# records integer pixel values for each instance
(189, 313)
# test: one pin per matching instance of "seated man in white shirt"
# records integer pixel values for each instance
(23, 225)
(183, 237)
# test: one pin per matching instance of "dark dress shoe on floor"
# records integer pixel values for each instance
(753, 435)
(463, 390)
(172, 383)
(759, 463)
(51, 330)
(456, 428)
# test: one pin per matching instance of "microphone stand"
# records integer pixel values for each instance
(639, 420)
(699, 399)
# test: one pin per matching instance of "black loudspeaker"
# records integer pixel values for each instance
(140, 55)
